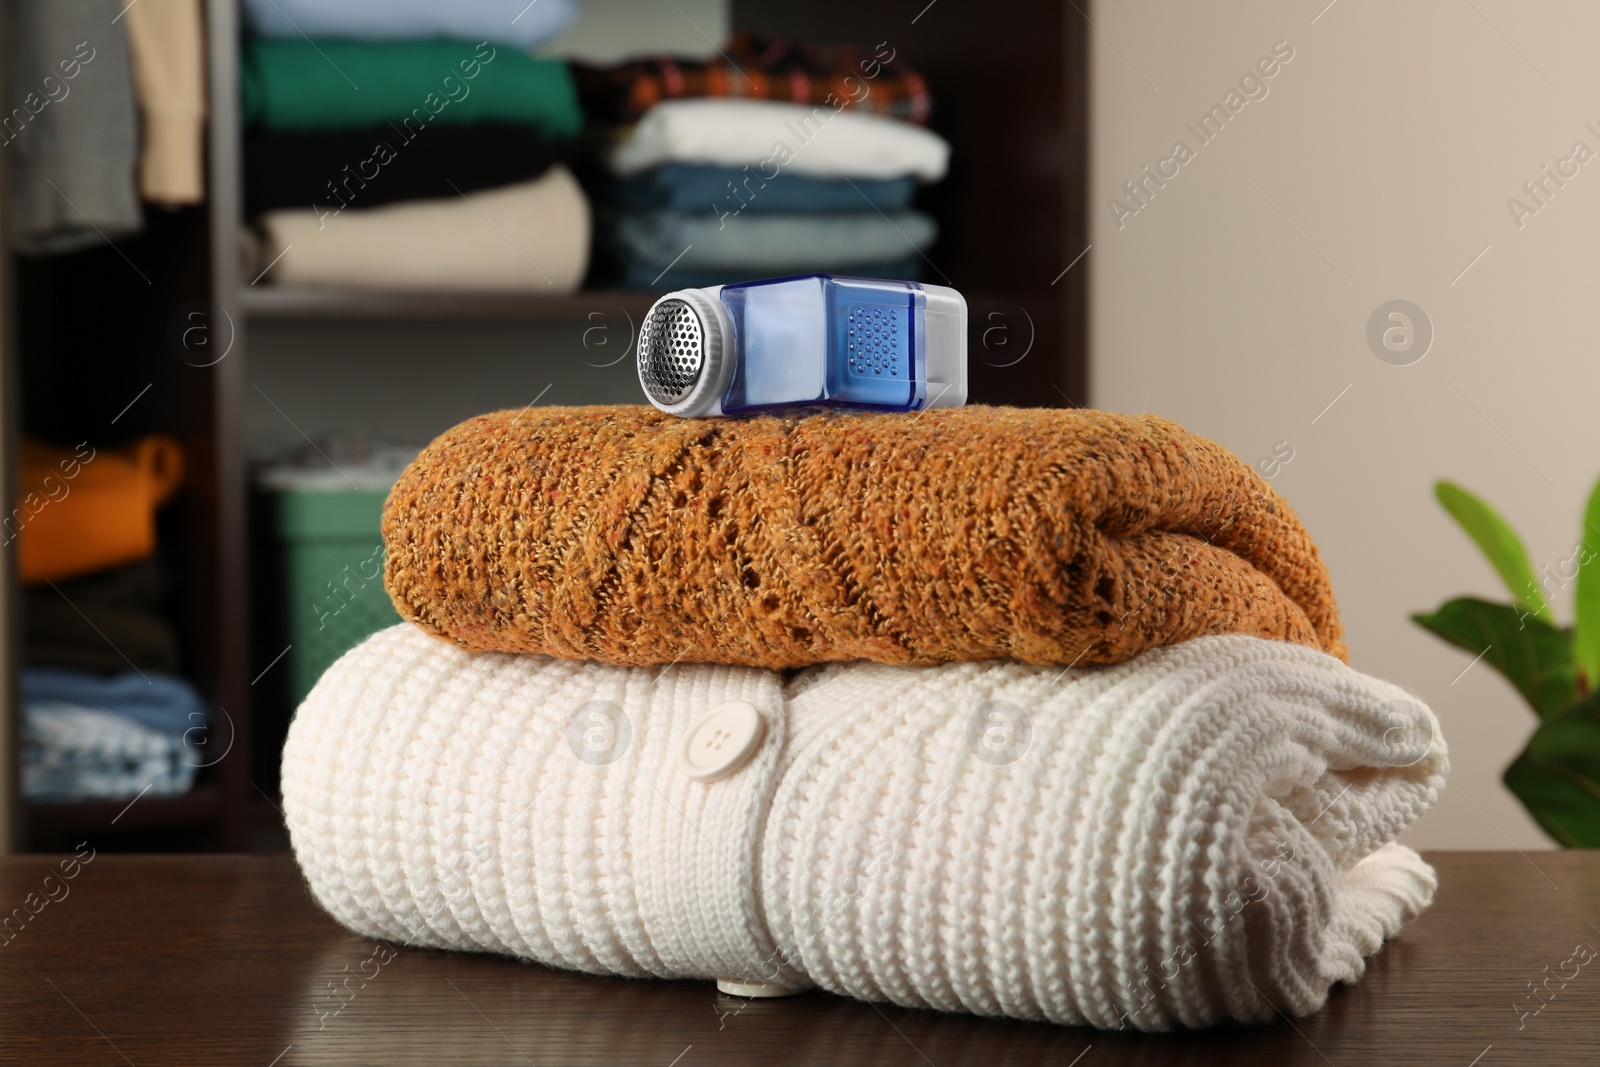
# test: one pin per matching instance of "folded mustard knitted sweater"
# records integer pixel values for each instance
(623, 535)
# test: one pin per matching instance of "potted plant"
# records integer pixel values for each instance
(1555, 668)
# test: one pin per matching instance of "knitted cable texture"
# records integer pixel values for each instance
(1203, 833)
(626, 536)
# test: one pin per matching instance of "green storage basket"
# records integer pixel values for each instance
(333, 577)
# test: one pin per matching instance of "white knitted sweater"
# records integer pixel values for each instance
(1203, 833)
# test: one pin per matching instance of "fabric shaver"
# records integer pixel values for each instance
(818, 340)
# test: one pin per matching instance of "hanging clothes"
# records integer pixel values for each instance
(70, 127)
(166, 39)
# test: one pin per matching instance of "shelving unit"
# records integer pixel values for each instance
(54, 825)
(1010, 81)
(320, 305)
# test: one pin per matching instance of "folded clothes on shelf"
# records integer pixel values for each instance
(330, 170)
(103, 622)
(77, 753)
(88, 737)
(773, 138)
(995, 838)
(157, 701)
(326, 84)
(774, 244)
(733, 191)
(758, 66)
(517, 23)
(84, 509)
(532, 237)
(641, 275)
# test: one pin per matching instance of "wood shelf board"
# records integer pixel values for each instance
(198, 807)
(263, 304)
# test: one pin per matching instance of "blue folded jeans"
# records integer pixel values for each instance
(710, 190)
(640, 275)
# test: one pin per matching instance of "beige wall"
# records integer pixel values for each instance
(1377, 167)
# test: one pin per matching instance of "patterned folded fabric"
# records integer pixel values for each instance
(86, 736)
(1201, 834)
(624, 535)
(760, 67)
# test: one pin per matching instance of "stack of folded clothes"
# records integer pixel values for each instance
(1015, 712)
(105, 622)
(412, 146)
(85, 509)
(774, 159)
(92, 737)
(102, 717)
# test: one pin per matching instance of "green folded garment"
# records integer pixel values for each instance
(306, 84)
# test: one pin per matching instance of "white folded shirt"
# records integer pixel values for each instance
(772, 137)
(531, 237)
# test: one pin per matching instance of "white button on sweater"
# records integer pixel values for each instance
(1203, 833)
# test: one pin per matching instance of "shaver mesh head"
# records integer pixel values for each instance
(671, 351)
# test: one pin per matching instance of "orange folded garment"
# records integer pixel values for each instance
(85, 509)
(627, 536)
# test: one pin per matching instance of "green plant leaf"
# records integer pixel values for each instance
(1586, 602)
(1557, 777)
(1533, 655)
(1498, 541)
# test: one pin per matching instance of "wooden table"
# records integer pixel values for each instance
(162, 961)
